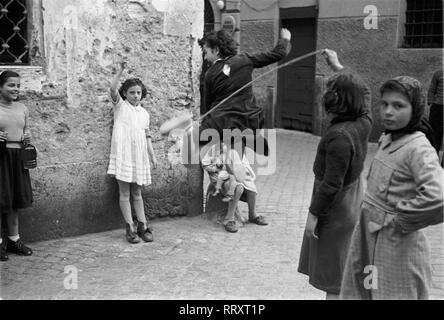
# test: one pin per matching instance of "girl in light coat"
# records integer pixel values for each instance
(389, 255)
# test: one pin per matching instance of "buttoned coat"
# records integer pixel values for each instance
(389, 256)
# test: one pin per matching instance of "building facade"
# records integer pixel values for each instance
(67, 52)
(379, 39)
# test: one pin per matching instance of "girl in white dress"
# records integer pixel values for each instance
(131, 151)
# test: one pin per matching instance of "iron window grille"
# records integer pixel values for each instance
(14, 46)
(423, 27)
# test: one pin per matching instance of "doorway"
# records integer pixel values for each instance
(296, 83)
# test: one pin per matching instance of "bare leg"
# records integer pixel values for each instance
(14, 242)
(13, 223)
(251, 201)
(218, 185)
(125, 206)
(233, 204)
(230, 185)
(252, 215)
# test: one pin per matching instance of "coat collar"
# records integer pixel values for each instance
(386, 141)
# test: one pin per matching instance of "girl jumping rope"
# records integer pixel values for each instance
(131, 151)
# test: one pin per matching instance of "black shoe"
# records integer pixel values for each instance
(3, 253)
(145, 233)
(18, 247)
(131, 236)
(231, 227)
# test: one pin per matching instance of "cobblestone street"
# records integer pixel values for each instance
(192, 258)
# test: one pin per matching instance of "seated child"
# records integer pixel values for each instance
(215, 163)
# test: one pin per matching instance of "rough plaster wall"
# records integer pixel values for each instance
(71, 114)
(373, 54)
(259, 36)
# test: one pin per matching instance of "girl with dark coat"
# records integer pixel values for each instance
(230, 72)
(338, 188)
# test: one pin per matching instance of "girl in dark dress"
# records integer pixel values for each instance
(15, 183)
(338, 190)
(230, 72)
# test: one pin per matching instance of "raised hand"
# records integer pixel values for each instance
(332, 59)
(285, 34)
(115, 82)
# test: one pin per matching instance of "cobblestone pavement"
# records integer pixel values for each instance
(192, 258)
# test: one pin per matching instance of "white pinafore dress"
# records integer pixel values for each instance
(129, 161)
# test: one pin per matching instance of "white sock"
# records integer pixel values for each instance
(1, 240)
(14, 238)
(140, 211)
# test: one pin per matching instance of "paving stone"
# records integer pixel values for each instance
(193, 258)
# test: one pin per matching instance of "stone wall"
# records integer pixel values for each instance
(374, 54)
(71, 113)
(259, 33)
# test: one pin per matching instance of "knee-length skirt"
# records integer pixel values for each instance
(323, 259)
(15, 182)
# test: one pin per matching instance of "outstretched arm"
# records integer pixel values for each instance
(280, 51)
(333, 61)
(113, 89)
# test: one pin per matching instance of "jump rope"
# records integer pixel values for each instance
(260, 77)
(297, 59)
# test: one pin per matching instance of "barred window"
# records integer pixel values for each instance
(423, 27)
(14, 47)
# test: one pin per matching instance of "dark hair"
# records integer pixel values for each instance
(344, 96)
(131, 83)
(5, 75)
(221, 40)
